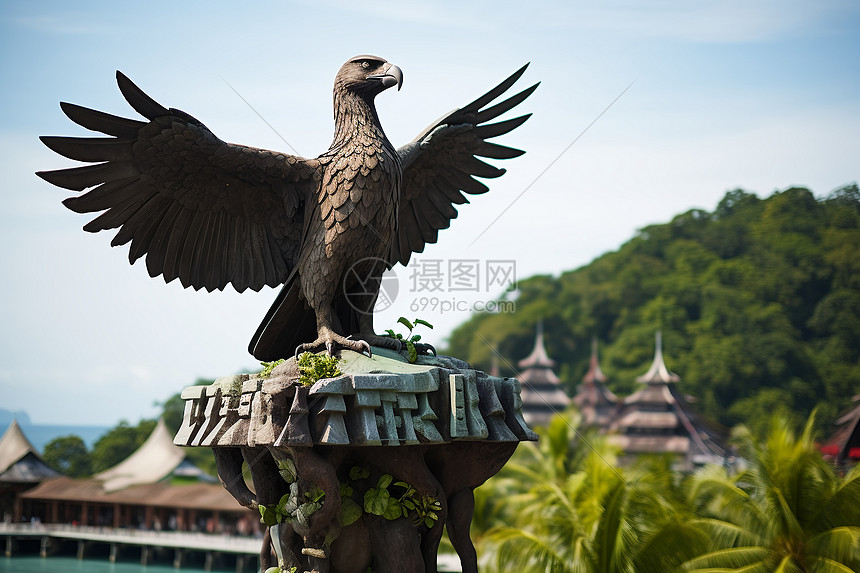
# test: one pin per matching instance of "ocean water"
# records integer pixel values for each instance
(33, 564)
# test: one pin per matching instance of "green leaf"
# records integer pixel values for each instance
(350, 511)
(280, 508)
(418, 321)
(413, 354)
(287, 469)
(393, 510)
(384, 481)
(358, 472)
(268, 516)
(315, 494)
(402, 320)
(376, 500)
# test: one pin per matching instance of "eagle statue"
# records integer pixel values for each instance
(211, 213)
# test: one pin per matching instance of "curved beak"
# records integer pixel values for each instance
(391, 76)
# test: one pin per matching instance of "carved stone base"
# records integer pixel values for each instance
(363, 469)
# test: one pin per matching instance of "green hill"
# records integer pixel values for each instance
(758, 302)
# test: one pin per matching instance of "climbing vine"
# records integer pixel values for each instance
(292, 506)
(395, 499)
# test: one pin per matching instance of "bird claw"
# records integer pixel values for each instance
(332, 344)
(424, 348)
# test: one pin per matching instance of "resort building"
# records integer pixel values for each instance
(542, 393)
(21, 469)
(597, 404)
(658, 419)
(843, 447)
(155, 488)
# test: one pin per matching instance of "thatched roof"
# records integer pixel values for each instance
(190, 496)
(19, 460)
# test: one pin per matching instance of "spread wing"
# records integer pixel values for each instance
(441, 164)
(204, 211)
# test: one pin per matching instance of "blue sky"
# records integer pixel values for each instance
(724, 94)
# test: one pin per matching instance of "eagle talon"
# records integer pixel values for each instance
(367, 347)
(426, 349)
(332, 344)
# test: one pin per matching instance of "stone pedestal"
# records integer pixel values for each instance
(363, 469)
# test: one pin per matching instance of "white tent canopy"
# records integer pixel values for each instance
(152, 462)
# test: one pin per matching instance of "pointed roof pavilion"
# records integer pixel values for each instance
(658, 373)
(658, 419)
(844, 445)
(153, 461)
(596, 402)
(542, 394)
(19, 460)
(539, 359)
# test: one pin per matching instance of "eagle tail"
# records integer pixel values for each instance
(289, 322)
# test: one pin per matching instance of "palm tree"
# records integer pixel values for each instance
(787, 512)
(588, 517)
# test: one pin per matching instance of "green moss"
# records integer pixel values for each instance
(268, 367)
(313, 367)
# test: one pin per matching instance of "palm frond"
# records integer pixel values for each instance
(734, 558)
(520, 550)
(824, 565)
(840, 544)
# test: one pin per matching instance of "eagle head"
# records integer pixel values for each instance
(368, 76)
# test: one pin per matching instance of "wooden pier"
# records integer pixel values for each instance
(245, 549)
